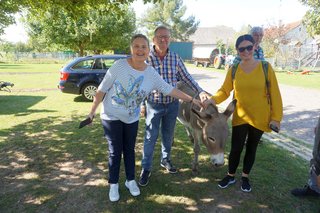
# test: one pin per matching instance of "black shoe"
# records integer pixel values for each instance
(144, 177)
(165, 163)
(306, 191)
(245, 186)
(226, 181)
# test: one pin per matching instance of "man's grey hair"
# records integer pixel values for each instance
(256, 30)
(161, 27)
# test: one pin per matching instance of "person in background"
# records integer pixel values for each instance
(257, 34)
(162, 110)
(124, 87)
(255, 112)
(312, 188)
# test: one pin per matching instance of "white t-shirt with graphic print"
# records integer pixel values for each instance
(126, 88)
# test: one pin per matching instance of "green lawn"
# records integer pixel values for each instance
(48, 165)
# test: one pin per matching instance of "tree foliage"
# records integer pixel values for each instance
(95, 31)
(7, 10)
(312, 18)
(170, 13)
(75, 8)
(273, 38)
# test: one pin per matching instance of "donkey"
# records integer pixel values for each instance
(208, 126)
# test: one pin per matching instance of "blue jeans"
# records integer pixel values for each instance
(121, 139)
(159, 116)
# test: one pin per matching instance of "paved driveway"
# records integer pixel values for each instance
(301, 111)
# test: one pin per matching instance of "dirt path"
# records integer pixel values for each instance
(301, 111)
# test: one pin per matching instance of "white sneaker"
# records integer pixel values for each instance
(114, 192)
(133, 187)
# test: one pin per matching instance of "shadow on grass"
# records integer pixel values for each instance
(80, 99)
(12, 66)
(48, 165)
(19, 104)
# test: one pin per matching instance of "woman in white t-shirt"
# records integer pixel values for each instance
(121, 92)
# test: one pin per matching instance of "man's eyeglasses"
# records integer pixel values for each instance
(242, 49)
(166, 37)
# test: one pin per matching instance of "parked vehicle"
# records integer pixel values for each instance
(204, 56)
(84, 74)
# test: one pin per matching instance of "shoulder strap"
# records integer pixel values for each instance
(234, 69)
(233, 74)
(265, 66)
(265, 71)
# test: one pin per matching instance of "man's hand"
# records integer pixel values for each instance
(204, 96)
(198, 103)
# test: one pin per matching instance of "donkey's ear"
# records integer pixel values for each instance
(201, 115)
(230, 109)
(201, 118)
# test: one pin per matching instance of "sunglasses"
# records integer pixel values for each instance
(242, 49)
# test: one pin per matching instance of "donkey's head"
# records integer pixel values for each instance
(214, 127)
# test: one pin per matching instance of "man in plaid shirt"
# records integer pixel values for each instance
(162, 111)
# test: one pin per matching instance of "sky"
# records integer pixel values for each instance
(210, 13)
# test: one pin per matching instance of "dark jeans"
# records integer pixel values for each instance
(121, 138)
(240, 135)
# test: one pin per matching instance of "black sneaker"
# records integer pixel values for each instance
(226, 181)
(306, 191)
(144, 177)
(245, 186)
(168, 166)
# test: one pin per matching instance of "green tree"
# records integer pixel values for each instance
(312, 18)
(7, 10)
(7, 47)
(75, 8)
(95, 31)
(170, 13)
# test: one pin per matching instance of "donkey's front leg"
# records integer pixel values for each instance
(196, 150)
(189, 133)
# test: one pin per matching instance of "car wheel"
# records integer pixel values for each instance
(89, 91)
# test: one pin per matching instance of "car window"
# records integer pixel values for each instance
(85, 64)
(99, 64)
(109, 62)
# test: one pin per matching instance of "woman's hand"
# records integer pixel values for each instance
(207, 102)
(204, 96)
(142, 110)
(275, 124)
(91, 115)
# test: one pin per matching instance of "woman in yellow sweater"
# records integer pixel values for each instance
(257, 108)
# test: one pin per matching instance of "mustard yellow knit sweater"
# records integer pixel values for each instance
(251, 94)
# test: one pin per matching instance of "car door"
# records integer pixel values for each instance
(100, 69)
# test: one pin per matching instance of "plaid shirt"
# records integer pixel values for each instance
(172, 70)
(258, 54)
